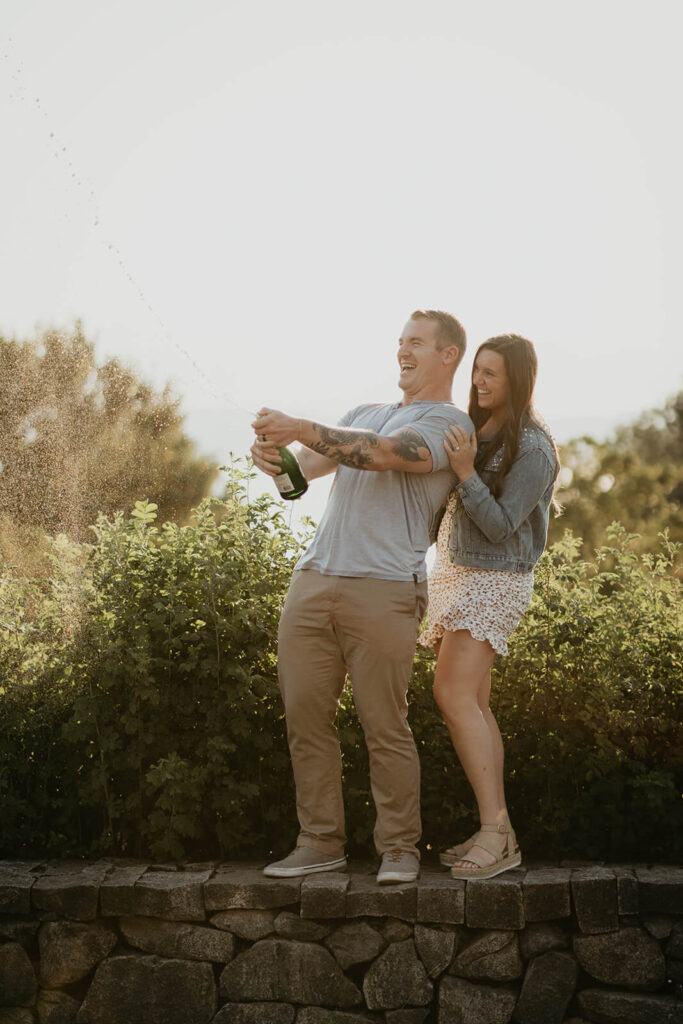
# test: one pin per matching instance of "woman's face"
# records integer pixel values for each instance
(490, 380)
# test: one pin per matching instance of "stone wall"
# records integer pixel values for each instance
(116, 942)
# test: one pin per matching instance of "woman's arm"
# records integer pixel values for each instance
(527, 480)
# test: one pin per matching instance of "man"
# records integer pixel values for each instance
(358, 595)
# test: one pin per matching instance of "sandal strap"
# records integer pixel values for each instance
(474, 858)
(489, 845)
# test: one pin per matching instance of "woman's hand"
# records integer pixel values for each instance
(461, 451)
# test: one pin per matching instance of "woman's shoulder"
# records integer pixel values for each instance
(535, 435)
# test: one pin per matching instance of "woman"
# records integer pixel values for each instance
(492, 533)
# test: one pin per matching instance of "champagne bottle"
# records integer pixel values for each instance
(290, 482)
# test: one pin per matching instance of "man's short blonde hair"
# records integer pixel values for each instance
(451, 331)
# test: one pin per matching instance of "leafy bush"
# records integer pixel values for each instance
(162, 703)
(141, 713)
(589, 705)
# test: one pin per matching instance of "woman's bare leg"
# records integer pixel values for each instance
(483, 700)
(462, 687)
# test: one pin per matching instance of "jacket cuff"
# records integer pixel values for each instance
(471, 485)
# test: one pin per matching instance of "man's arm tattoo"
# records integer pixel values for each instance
(354, 448)
(331, 438)
(409, 446)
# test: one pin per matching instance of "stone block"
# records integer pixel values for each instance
(149, 990)
(541, 938)
(660, 926)
(22, 865)
(171, 895)
(461, 1002)
(594, 891)
(491, 956)
(19, 929)
(495, 902)
(365, 898)
(255, 1013)
(628, 901)
(435, 948)
(394, 930)
(629, 958)
(674, 946)
(174, 940)
(354, 944)
(546, 895)
(674, 971)
(56, 1008)
(440, 899)
(117, 891)
(549, 984)
(397, 979)
(292, 926)
(15, 890)
(290, 972)
(605, 1007)
(413, 1015)
(237, 886)
(661, 890)
(69, 950)
(202, 865)
(247, 924)
(70, 889)
(317, 1015)
(18, 984)
(15, 1015)
(324, 895)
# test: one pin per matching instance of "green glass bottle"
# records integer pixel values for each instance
(291, 483)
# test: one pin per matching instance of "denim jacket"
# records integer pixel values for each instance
(508, 532)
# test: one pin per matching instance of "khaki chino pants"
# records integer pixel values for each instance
(331, 626)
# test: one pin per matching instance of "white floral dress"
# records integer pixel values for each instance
(487, 602)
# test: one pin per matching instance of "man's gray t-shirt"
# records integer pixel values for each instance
(378, 523)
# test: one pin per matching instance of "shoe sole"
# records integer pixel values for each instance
(396, 877)
(496, 869)
(310, 869)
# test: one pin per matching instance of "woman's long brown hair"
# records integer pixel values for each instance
(521, 366)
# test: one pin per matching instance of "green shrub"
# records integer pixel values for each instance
(141, 714)
(589, 705)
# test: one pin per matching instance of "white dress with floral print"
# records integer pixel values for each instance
(487, 602)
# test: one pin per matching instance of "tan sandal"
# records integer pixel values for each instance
(456, 852)
(509, 857)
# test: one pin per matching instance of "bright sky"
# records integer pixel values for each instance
(273, 187)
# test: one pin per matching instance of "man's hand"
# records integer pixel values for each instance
(265, 457)
(278, 428)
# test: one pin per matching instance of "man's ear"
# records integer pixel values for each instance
(450, 355)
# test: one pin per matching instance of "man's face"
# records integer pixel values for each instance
(422, 363)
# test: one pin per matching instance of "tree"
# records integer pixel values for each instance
(633, 478)
(77, 439)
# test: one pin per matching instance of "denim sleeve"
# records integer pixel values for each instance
(525, 483)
